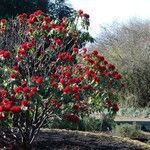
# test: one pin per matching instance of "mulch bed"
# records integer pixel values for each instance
(76, 140)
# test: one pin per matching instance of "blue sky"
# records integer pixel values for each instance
(107, 11)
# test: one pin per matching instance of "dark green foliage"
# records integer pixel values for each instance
(10, 8)
(60, 9)
(86, 124)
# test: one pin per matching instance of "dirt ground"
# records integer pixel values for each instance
(76, 140)
(60, 139)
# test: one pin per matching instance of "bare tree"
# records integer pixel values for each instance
(128, 46)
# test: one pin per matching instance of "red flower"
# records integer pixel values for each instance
(6, 54)
(111, 66)
(67, 74)
(13, 97)
(73, 118)
(62, 81)
(90, 60)
(18, 89)
(55, 75)
(109, 103)
(105, 62)
(89, 72)
(38, 13)
(53, 83)
(102, 68)
(16, 109)
(115, 107)
(24, 102)
(46, 19)
(2, 29)
(52, 46)
(24, 45)
(84, 50)
(77, 97)
(75, 49)
(80, 12)
(65, 55)
(40, 80)
(3, 93)
(3, 21)
(45, 26)
(21, 52)
(86, 15)
(15, 67)
(101, 58)
(95, 52)
(76, 106)
(31, 21)
(57, 40)
(32, 16)
(26, 89)
(30, 44)
(34, 89)
(1, 109)
(116, 75)
(30, 94)
(6, 103)
(13, 75)
(87, 86)
(75, 88)
(67, 89)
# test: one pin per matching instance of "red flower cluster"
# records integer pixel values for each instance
(18, 89)
(83, 14)
(22, 17)
(5, 53)
(3, 93)
(33, 16)
(72, 117)
(24, 47)
(6, 105)
(3, 23)
(38, 79)
(113, 106)
(65, 55)
(16, 109)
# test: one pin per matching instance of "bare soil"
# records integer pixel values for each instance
(77, 140)
(56, 139)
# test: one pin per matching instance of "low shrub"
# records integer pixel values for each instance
(45, 73)
(88, 123)
(127, 130)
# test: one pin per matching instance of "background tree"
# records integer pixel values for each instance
(10, 8)
(60, 8)
(128, 46)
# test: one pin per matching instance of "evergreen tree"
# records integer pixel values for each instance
(10, 8)
(59, 8)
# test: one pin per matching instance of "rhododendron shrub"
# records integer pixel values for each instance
(44, 74)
